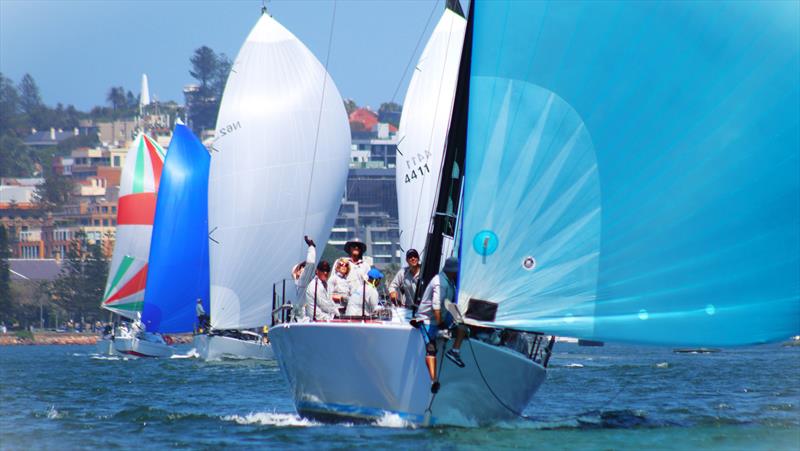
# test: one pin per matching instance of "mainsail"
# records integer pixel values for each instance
(136, 208)
(178, 273)
(278, 171)
(423, 129)
(632, 170)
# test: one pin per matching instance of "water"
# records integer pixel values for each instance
(616, 397)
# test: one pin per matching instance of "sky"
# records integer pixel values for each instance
(76, 50)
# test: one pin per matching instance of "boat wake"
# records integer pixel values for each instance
(272, 419)
(192, 354)
(392, 420)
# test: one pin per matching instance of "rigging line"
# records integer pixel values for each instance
(416, 47)
(319, 120)
(480, 371)
(430, 135)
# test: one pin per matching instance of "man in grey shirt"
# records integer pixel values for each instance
(403, 288)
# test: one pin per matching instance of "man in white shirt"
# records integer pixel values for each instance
(440, 289)
(302, 274)
(319, 305)
(359, 264)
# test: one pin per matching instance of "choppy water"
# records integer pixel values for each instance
(616, 397)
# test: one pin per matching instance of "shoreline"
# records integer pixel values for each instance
(66, 338)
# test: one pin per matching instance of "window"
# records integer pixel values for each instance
(116, 161)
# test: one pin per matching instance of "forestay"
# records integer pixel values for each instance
(136, 208)
(423, 129)
(178, 273)
(281, 152)
(632, 170)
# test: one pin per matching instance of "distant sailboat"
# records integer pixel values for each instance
(178, 272)
(278, 168)
(614, 173)
(136, 207)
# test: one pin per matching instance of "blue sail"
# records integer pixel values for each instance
(633, 171)
(178, 272)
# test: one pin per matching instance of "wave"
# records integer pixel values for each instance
(271, 419)
(392, 420)
(192, 354)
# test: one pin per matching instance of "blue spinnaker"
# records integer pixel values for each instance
(632, 170)
(178, 272)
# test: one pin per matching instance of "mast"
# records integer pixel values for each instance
(447, 203)
(455, 6)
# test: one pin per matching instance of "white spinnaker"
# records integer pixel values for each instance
(423, 128)
(261, 171)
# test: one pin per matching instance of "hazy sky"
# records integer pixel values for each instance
(77, 49)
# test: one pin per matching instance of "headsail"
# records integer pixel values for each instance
(178, 273)
(136, 209)
(632, 170)
(423, 129)
(281, 119)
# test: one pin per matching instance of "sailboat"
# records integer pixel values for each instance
(178, 262)
(629, 173)
(278, 169)
(136, 208)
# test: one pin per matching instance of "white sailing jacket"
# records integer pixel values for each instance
(439, 290)
(363, 295)
(319, 301)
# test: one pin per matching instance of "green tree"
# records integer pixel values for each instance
(389, 112)
(350, 105)
(224, 65)
(30, 102)
(6, 303)
(9, 105)
(15, 157)
(205, 67)
(79, 286)
(116, 98)
(55, 191)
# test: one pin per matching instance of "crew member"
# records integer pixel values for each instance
(319, 306)
(302, 274)
(364, 301)
(440, 289)
(359, 264)
(403, 288)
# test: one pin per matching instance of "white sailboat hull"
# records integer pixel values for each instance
(142, 348)
(216, 347)
(105, 346)
(366, 370)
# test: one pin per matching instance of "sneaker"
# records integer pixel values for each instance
(455, 357)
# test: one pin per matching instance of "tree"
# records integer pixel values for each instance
(211, 70)
(350, 105)
(116, 98)
(224, 65)
(55, 191)
(205, 67)
(15, 157)
(79, 286)
(390, 113)
(30, 102)
(9, 105)
(29, 97)
(6, 303)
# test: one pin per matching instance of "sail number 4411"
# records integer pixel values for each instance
(424, 169)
